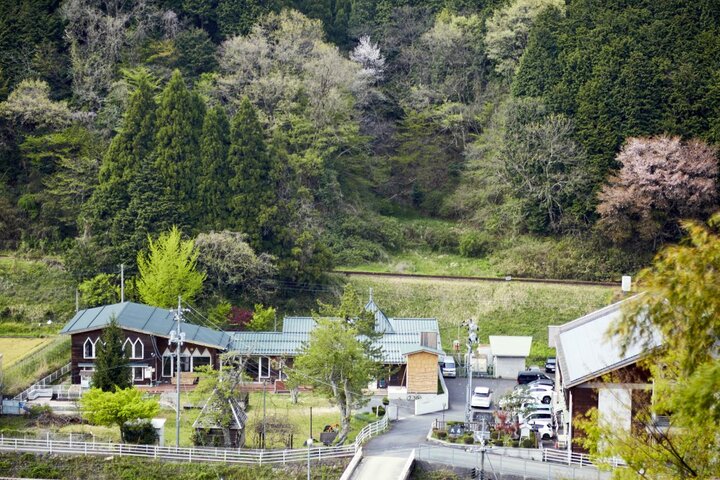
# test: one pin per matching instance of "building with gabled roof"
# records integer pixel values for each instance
(147, 332)
(593, 370)
(269, 352)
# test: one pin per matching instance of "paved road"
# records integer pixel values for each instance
(386, 454)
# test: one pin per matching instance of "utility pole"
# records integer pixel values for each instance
(178, 338)
(122, 282)
(77, 300)
(472, 337)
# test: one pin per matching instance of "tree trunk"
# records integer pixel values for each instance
(345, 405)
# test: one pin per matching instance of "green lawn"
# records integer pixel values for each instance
(501, 308)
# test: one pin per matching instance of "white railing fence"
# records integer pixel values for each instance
(580, 459)
(199, 454)
(43, 383)
(371, 430)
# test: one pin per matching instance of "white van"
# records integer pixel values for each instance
(447, 367)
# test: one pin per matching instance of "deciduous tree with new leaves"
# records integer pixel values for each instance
(168, 269)
(661, 180)
(117, 407)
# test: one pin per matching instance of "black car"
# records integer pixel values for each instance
(527, 376)
(550, 364)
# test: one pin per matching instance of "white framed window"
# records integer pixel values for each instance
(138, 349)
(89, 348)
(167, 366)
(134, 349)
(264, 367)
(199, 362)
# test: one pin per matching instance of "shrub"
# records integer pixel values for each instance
(468, 440)
(379, 411)
(528, 443)
(474, 244)
(441, 434)
(140, 432)
(386, 401)
(515, 444)
(453, 439)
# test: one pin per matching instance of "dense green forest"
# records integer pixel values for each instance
(567, 138)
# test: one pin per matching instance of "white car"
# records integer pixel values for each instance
(542, 393)
(542, 430)
(528, 409)
(482, 398)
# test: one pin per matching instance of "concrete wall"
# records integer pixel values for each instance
(422, 372)
(508, 367)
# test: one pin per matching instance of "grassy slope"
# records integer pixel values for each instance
(501, 308)
(428, 263)
(31, 293)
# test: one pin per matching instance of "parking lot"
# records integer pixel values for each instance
(457, 388)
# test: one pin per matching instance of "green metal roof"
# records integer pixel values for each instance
(143, 318)
(403, 335)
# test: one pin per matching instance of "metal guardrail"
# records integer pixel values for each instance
(580, 459)
(184, 454)
(371, 430)
(43, 382)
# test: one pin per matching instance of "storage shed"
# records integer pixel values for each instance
(509, 354)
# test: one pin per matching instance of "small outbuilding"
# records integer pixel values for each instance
(509, 354)
(422, 369)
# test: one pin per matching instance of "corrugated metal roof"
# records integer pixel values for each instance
(287, 343)
(510, 346)
(382, 322)
(298, 324)
(585, 351)
(143, 318)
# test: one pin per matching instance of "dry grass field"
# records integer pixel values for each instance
(14, 349)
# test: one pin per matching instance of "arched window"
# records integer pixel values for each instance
(89, 348)
(138, 349)
(134, 349)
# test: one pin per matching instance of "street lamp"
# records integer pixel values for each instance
(309, 443)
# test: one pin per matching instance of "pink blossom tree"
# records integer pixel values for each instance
(661, 180)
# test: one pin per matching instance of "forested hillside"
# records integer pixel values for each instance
(563, 138)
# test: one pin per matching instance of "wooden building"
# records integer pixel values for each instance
(147, 331)
(268, 353)
(593, 371)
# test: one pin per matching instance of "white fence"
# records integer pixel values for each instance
(246, 456)
(580, 459)
(42, 384)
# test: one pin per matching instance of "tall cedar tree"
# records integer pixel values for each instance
(251, 183)
(177, 148)
(213, 188)
(112, 368)
(127, 156)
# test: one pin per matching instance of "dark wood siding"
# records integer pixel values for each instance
(583, 399)
(153, 348)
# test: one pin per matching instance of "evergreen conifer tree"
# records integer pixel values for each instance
(129, 150)
(112, 367)
(177, 148)
(251, 182)
(214, 192)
